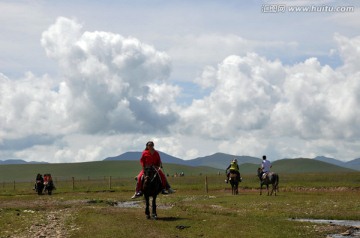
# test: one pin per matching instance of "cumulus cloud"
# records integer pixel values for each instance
(256, 99)
(245, 90)
(109, 79)
(113, 94)
(107, 84)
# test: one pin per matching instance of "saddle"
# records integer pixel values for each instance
(263, 177)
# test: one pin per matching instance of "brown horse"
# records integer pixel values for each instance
(151, 188)
(268, 178)
(234, 182)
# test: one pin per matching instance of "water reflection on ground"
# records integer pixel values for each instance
(353, 231)
(139, 204)
(130, 204)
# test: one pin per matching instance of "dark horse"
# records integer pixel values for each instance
(151, 188)
(269, 178)
(234, 182)
(39, 187)
(39, 184)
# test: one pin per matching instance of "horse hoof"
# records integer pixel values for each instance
(154, 217)
(147, 216)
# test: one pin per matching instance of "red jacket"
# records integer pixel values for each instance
(148, 159)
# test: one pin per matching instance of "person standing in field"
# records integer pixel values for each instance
(150, 157)
(265, 165)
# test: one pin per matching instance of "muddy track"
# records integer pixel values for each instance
(52, 220)
(50, 224)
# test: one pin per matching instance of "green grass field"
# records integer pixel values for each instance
(89, 209)
(92, 170)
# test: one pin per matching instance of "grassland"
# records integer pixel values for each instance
(126, 169)
(91, 209)
(86, 170)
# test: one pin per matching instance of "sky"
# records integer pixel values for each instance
(86, 80)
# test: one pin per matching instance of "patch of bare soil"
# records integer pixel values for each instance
(353, 232)
(336, 227)
(49, 218)
(49, 224)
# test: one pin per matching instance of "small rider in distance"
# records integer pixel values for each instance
(232, 168)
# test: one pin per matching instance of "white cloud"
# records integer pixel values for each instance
(258, 100)
(110, 84)
(113, 95)
(107, 78)
(244, 94)
(349, 50)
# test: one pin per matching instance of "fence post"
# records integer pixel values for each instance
(110, 183)
(14, 184)
(73, 183)
(206, 184)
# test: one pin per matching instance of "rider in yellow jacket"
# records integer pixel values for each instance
(233, 168)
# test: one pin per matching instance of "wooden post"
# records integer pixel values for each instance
(73, 183)
(206, 185)
(14, 184)
(110, 183)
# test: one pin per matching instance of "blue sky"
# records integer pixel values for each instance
(84, 80)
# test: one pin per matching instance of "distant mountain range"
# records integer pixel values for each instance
(222, 160)
(352, 164)
(127, 165)
(217, 160)
(20, 161)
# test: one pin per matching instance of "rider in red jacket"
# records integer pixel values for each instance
(150, 157)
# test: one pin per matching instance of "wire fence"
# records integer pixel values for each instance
(116, 183)
(73, 183)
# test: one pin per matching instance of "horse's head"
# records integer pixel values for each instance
(259, 171)
(149, 172)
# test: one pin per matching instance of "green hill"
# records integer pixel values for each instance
(116, 169)
(307, 166)
(297, 166)
(221, 160)
(129, 169)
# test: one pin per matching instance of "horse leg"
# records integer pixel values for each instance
(276, 184)
(154, 215)
(267, 188)
(261, 188)
(275, 187)
(147, 210)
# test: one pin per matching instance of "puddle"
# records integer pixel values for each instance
(353, 231)
(131, 204)
(139, 204)
(333, 222)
